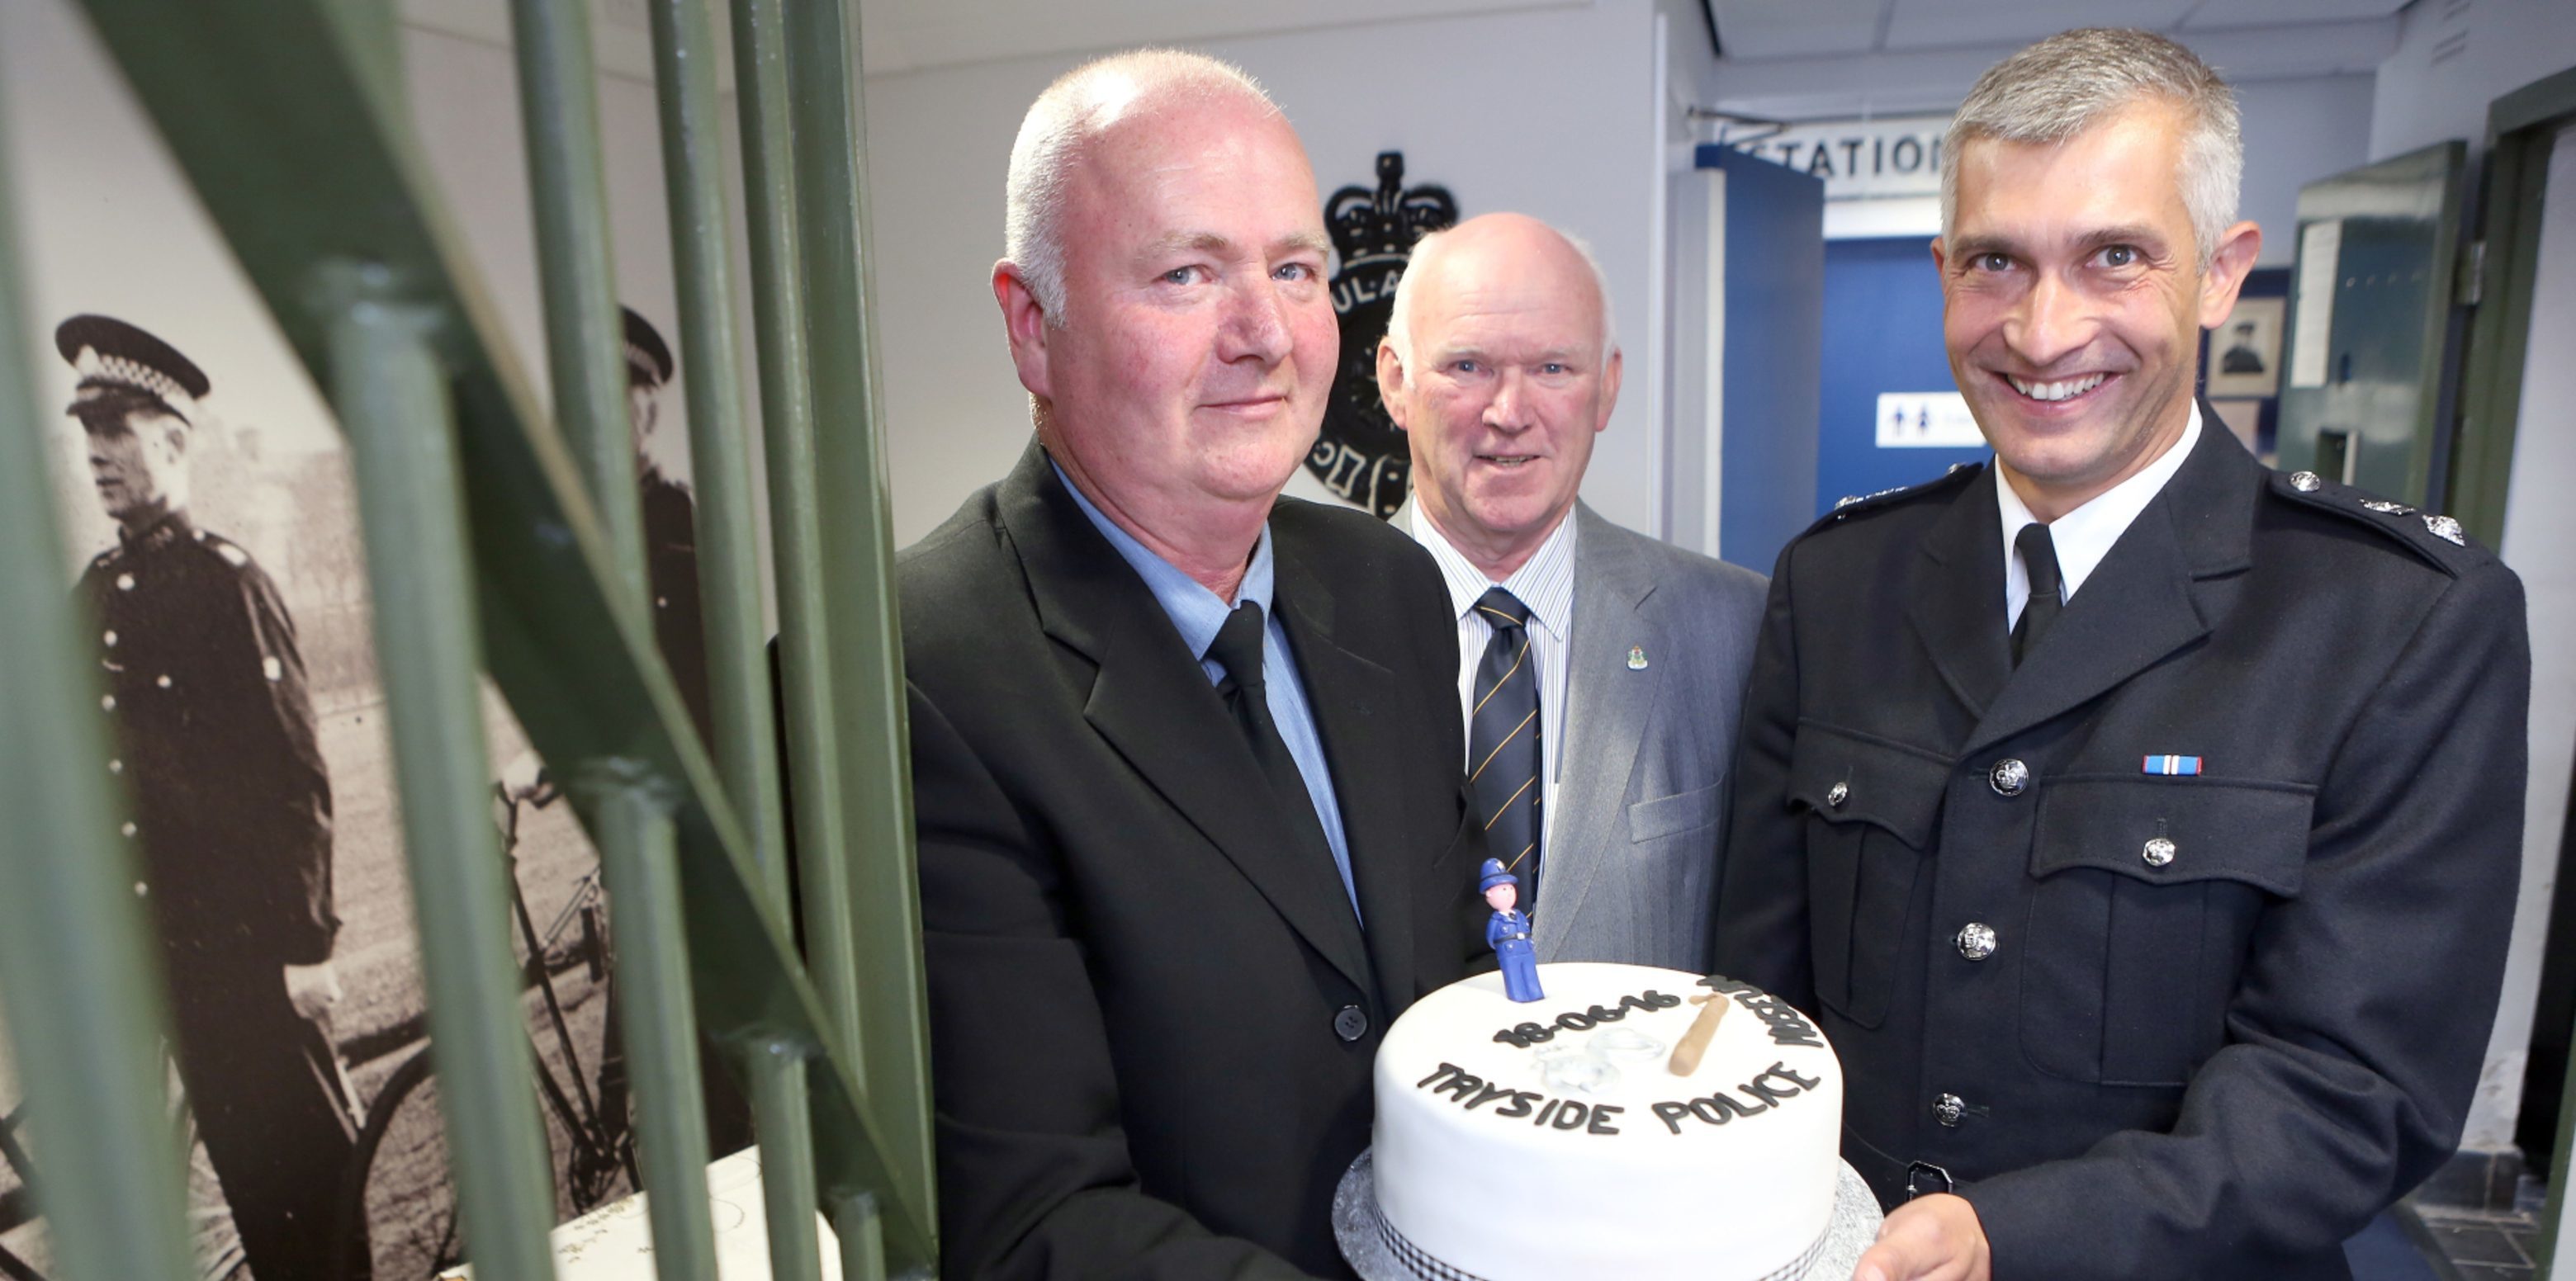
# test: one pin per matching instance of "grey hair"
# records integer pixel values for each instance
(1399, 321)
(1080, 103)
(2067, 83)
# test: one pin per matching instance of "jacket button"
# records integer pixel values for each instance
(2158, 852)
(1837, 794)
(1351, 1023)
(2008, 777)
(1948, 1108)
(127, 829)
(1977, 940)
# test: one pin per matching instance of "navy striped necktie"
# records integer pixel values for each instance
(1503, 742)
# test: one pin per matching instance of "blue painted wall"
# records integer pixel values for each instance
(1882, 333)
(1775, 255)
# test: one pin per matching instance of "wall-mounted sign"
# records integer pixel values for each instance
(1926, 420)
(1361, 455)
(1859, 159)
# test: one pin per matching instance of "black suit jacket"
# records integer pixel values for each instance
(1152, 1018)
(2212, 1057)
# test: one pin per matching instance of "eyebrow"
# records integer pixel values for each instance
(2134, 233)
(1214, 243)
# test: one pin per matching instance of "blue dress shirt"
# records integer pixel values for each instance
(1198, 613)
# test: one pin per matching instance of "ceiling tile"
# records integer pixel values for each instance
(1797, 28)
(1940, 24)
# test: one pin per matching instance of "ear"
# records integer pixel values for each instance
(1390, 382)
(2237, 249)
(1940, 257)
(1024, 323)
(1610, 373)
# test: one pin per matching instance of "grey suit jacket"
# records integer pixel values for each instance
(1630, 868)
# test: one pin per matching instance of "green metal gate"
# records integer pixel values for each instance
(505, 539)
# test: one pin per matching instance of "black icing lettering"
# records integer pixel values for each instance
(1769, 1094)
(1574, 1021)
(1446, 1069)
(1601, 1015)
(1460, 1086)
(1782, 1070)
(1671, 1115)
(1548, 1111)
(1524, 1035)
(1487, 1095)
(1601, 1114)
(1570, 1117)
(1760, 1104)
(1522, 1102)
(1799, 1035)
(1707, 1109)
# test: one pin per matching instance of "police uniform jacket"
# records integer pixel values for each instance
(1153, 1014)
(2153, 1024)
(215, 737)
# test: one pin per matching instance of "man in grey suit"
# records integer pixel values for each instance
(1601, 672)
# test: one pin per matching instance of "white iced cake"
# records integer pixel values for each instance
(1553, 1139)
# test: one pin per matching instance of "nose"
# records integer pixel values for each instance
(1257, 326)
(1508, 410)
(2052, 321)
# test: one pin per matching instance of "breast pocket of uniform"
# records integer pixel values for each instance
(2146, 893)
(1871, 808)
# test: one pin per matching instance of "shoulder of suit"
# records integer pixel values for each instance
(1671, 561)
(1856, 506)
(2437, 539)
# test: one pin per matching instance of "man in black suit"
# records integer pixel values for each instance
(2143, 825)
(1185, 758)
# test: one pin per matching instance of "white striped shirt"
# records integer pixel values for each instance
(1544, 583)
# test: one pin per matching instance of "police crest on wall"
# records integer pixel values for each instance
(1361, 455)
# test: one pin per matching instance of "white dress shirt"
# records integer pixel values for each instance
(2084, 536)
(1544, 583)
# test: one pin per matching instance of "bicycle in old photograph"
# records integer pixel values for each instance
(219, 1251)
(400, 1189)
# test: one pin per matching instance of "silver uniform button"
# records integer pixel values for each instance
(2009, 776)
(1948, 1108)
(116, 767)
(127, 830)
(163, 681)
(110, 637)
(1976, 940)
(107, 702)
(125, 582)
(2306, 482)
(2158, 852)
(1837, 794)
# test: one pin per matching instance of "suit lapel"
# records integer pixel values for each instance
(1957, 596)
(2148, 598)
(1607, 707)
(1152, 702)
(1346, 692)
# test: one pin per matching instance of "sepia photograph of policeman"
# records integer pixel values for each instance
(229, 803)
(670, 516)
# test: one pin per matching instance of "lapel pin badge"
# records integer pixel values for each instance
(1636, 658)
(2173, 766)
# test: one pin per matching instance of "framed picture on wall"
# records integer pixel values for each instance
(2245, 351)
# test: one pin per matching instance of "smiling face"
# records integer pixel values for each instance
(2073, 298)
(1505, 386)
(1189, 369)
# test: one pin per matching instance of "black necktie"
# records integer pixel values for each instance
(1503, 744)
(2039, 557)
(1237, 649)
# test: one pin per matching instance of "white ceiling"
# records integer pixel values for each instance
(906, 35)
(1752, 30)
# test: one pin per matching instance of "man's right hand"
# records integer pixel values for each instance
(1930, 1238)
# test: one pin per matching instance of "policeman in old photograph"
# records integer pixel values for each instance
(228, 801)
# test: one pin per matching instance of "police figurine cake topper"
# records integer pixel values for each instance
(1508, 932)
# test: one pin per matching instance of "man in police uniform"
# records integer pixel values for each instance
(2142, 825)
(230, 803)
(670, 525)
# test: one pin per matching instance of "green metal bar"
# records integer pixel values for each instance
(729, 575)
(585, 342)
(862, 1237)
(641, 857)
(859, 578)
(297, 156)
(778, 318)
(393, 402)
(83, 995)
(782, 1111)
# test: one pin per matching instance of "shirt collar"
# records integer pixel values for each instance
(2084, 536)
(1195, 610)
(1544, 583)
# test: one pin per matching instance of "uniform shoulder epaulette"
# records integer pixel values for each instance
(1851, 505)
(230, 551)
(2437, 538)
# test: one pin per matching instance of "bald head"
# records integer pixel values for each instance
(1500, 367)
(1506, 242)
(1056, 135)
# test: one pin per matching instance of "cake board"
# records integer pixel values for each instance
(1356, 1228)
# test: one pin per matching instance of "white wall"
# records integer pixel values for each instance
(2452, 60)
(1548, 112)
